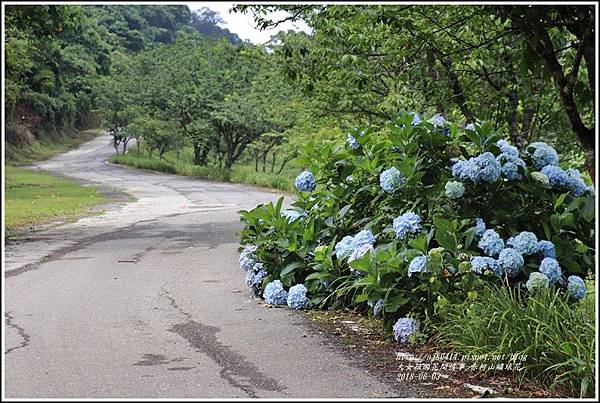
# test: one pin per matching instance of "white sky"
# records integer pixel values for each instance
(243, 24)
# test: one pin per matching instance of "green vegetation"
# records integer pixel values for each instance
(35, 198)
(557, 339)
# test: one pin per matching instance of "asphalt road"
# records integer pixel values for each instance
(148, 300)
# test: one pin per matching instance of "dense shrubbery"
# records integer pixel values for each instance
(415, 216)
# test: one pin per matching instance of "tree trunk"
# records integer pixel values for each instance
(273, 158)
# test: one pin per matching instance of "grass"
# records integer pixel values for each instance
(45, 149)
(35, 198)
(242, 172)
(556, 335)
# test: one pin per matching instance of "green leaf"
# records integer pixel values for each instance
(289, 268)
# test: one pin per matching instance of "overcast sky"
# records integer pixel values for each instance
(243, 24)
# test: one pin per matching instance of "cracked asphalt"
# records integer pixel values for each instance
(148, 300)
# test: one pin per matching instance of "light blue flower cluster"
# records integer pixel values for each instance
(407, 223)
(470, 126)
(352, 142)
(576, 287)
(292, 214)
(526, 243)
(306, 182)
(575, 183)
(404, 328)
(417, 265)
(546, 249)
(255, 276)
(296, 298)
(569, 179)
(491, 243)
(480, 263)
(416, 119)
(274, 293)
(537, 282)
(355, 246)
(438, 122)
(543, 155)
(483, 168)
(391, 179)
(247, 258)
(511, 164)
(454, 189)
(378, 307)
(510, 261)
(551, 269)
(479, 227)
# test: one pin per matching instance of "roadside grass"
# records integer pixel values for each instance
(242, 172)
(44, 149)
(35, 198)
(556, 336)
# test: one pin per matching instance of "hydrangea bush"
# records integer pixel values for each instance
(422, 212)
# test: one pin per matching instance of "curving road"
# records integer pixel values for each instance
(148, 300)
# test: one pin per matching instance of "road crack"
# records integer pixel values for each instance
(26, 338)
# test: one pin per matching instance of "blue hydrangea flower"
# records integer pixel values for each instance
(551, 269)
(540, 177)
(546, 249)
(247, 258)
(364, 237)
(344, 247)
(510, 261)
(407, 223)
(537, 282)
(480, 263)
(417, 265)
(491, 243)
(378, 307)
(511, 164)
(454, 190)
(576, 287)
(591, 190)
(470, 126)
(352, 142)
(404, 328)
(543, 155)
(506, 148)
(293, 214)
(255, 277)
(526, 243)
(306, 182)
(483, 168)
(297, 297)
(556, 175)
(416, 119)
(479, 227)
(575, 183)
(391, 179)
(439, 122)
(359, 251)
(274, 293)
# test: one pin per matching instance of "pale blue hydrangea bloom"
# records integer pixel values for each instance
(510, 261)
(543, 155)
(391, 179)
(437, 120)
(297, 297)
(546, 249)
(506, 148)
(407, 223)
(491, 243)
(344, 247)
(540, 177)
(247, 258)
(293, 214)
(274, 293)
(454, 190)
(404, 328)
(511, 165)
(352, 142)
(480, 263)
(575, 184)
(470, 126)
(551, 269)
(483, 168)
(306, 182)
(576, 287)
(378, 307)
(479, 227)
(364, 237)
(526, 243)
(556, 175)
(416, 119)
(359, 251)
(591, 190)
(417, 265)
(255, 277)
(537, 282)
